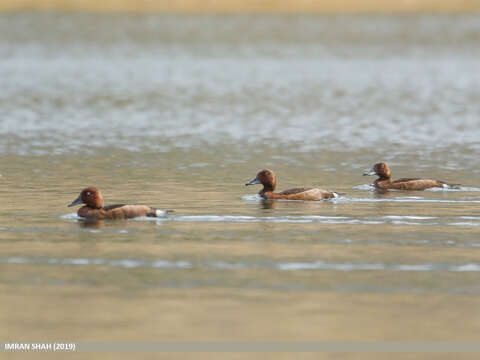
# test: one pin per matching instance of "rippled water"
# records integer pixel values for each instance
(179, 111)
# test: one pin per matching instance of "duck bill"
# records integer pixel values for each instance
(253, 182)
(369, 172)
(77, 201)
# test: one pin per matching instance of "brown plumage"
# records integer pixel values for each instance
(384, 180)
(267, 179)
(94, 209)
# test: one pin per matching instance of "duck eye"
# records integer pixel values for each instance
(89, 193)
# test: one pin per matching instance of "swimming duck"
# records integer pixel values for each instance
(94, 209)
(267, 179)
(384, 180)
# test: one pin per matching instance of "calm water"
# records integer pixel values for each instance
(179, 112)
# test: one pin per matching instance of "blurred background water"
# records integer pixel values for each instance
(178, 112)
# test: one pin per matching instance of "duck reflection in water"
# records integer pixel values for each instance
(268, 204)
(91, 224)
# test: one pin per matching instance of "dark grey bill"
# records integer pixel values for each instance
(369, 172)
(253, 182)
(77, 201)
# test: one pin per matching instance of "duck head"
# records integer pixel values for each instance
(266, 178)
(381, 169)
(89, 196)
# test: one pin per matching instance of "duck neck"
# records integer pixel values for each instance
(266, 188)
(383, 178)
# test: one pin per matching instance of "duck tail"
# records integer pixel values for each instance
(159, 213)
(451, 186)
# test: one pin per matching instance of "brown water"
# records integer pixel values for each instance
(179, 112)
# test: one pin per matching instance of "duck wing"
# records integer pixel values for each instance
(415, 184)
(294, 191)
(304, 194)
(406, 180)
(114, 206)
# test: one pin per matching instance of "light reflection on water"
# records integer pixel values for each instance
(179, 111)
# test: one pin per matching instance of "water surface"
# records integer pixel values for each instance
(178, 112)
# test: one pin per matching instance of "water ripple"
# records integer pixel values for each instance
(454, 188)
(319, 265)
(418, 220)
